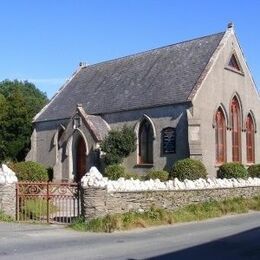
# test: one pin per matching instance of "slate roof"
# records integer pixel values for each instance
(157, 77)
(96, 124)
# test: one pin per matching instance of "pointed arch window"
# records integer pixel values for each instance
(220, 136)
(250, 139)
(60, 133)
(145, 143)
(236, 130)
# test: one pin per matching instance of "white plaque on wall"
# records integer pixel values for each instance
(194, 132)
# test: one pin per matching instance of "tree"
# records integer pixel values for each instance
(19, 103)
(118, 144)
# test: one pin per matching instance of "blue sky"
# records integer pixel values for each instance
(43, 41)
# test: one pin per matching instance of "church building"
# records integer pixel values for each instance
(196, 99)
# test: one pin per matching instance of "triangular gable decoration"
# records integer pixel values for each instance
(234, 63)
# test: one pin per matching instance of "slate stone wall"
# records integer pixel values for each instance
(98, 202)
(8, 199)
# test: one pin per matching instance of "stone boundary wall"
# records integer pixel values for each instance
(8, 199)
(98, 202)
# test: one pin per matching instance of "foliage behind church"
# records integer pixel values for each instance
(19, 103)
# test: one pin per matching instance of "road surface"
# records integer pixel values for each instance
(232, 237)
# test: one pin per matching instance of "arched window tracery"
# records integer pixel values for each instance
(220, 132)
(236, 130)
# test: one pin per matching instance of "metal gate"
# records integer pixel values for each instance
(47, 202)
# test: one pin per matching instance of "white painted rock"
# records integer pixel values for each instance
(7, 176)
(95, 179)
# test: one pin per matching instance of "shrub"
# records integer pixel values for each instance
(232, 170)
(254, 171)
(161, 175)
(115, 171)
(133, 175)
(30, 171)
(118, 144)
(188, 169)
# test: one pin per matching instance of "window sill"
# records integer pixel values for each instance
(144, 165)
(234, 70)
(250, 163)
(217, 165)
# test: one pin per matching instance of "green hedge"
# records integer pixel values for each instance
(115, 171)
(30, 171)
(161, 175)
(118, 144)
(254, 171)
(189, 169)
(232, 170)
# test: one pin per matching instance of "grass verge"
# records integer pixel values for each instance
(4, 217)
(153, 216)
(36, 208)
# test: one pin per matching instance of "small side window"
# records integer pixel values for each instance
(169, 140)
(234, 65)
(76, 121)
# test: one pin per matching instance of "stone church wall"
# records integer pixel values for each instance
(193, 120)
(42, 148)
(219, 87)
(162, 117)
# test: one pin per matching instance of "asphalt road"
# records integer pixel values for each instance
(233, 237)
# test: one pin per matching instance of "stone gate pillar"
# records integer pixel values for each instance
(8, 182)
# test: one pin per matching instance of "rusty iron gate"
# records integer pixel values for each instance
(48, 202)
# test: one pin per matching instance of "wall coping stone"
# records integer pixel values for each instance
(94, 179)
(142, 191)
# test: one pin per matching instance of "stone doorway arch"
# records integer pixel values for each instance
(78, 155)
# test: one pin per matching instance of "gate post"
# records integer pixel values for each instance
(47, 200)
(79, 199)
(94, 202)
(7, 191)
(7, 199)
(17, 202)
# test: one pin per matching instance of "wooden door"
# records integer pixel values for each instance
(81, 159)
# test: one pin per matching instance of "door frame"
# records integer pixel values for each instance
(71, 152)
